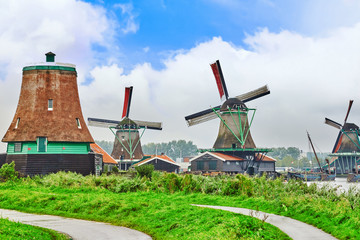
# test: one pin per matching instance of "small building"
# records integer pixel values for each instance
(105, 161)
(220, 162)
(160, 162)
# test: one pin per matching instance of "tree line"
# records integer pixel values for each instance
(174, 149)
(294, 157)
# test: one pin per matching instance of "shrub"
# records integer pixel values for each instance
(145, 170)
(8, 173)
(115, 169)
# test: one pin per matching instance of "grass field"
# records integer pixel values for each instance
(15, 231)
(161, 206)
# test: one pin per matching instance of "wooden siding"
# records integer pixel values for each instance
(41, 164)
(164, 166)
(2, 159)
(52, 148)
(207, 158)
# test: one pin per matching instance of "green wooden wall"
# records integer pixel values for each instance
(52, 148)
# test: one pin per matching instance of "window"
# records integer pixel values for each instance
(50, 105)
(78, 123)
(42, 144)
(237, 163)
(200, 165)
(228, 163)
(17, 147)
(212, 165)
(17, 123)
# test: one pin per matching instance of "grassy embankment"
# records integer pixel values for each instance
(14, 231)
(161, 206)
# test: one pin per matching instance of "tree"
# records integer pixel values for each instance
(106, 145)
(173, 149)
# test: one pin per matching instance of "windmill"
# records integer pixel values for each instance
(234, 131)
(127, 136)
(347, 146)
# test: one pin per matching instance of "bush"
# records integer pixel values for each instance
(115, 169)
(8, 173)
(145, 170)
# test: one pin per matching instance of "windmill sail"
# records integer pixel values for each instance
(348, 111)
(220, 82)
(127, 101)
(257, 93)
(201, 117)
(333, 123)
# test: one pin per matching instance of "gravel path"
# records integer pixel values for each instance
(75, 228)
(293, 228)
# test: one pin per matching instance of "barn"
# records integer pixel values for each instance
(220, 162)
(160, 162)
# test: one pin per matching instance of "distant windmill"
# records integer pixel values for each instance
(350, 142)
(347, 146)
(234, 130)
(127, 137)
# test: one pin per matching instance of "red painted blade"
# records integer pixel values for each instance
(127, 101)
(220, 82)
(348, 111)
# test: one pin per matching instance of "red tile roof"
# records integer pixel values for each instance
(228, 157)
(152, 157)
(267, 158)
(106, 157)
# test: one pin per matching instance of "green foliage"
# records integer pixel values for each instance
(8, 173)
(14, 230)
(135, 201)
(173, 149)
(115, 169)
(145, 170)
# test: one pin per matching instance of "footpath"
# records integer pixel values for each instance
(77, 229)
(293, 228)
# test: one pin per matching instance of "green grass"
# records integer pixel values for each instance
(163, 216)
(13, 231)
(161, 206)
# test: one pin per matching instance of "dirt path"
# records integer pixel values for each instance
(295, 229)
(77, 229)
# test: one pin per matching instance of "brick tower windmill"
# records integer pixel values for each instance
(346, 151)
(234, 135)
(127, 146)
(48, 132)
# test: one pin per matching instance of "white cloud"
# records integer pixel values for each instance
(29, 29)
(128, 25)
(309, 78)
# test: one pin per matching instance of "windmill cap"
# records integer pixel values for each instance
(350, 126)
(232, 103)
(50, 64)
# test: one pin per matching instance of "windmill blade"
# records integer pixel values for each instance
(149, 125)
(333, 123)
(348, 111)
(220, 82)
(127, 101)
(105, 123)
(257, 93)
(200, 117)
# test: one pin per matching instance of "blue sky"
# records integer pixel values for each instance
(307, 52)
(166, 26)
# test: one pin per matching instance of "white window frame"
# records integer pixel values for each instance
(78, 123)
(50, 102)
(17, 123)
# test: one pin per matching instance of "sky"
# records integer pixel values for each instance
(307, 52)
